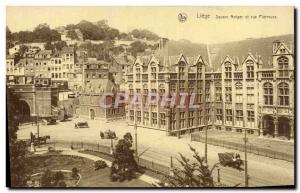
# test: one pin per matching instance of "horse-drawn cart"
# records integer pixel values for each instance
(231, 160)
(108, 135)
(81, 125)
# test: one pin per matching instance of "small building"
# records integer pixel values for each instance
(96, 94)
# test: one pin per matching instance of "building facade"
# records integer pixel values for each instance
(240, 96)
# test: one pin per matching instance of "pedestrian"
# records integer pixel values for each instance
(31, 137)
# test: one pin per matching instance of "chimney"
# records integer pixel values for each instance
(162, 43)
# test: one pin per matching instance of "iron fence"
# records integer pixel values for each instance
(240, 147)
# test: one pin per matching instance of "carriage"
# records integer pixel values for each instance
(81, 125)
(41, 140)
(230, 159)
(108, 135)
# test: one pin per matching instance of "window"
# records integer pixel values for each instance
(154, 118)
(146, 118)
(138, 116)
(239, 117)
(268, 93)
(162, 119)
(219, 115)
(218, 92)
(199, 71)
(138, 74)
(283, 67)
(228, 115)
(228, 94)
(207, 92)
(207, 111)
(250, 69)
(250, 116)
(283, 94)
(181, 70)
(239, 88)
(200, 120)
(153, 72)
(227, 72)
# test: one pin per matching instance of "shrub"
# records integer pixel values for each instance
(75, 173)
(46, 179)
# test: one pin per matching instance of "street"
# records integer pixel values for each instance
(263, 171)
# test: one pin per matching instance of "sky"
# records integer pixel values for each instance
(164, 20)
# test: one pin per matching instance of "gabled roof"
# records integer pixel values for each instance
(98, 86)
(238, 49)
(45, 52)
(188, 49)
(282, 45)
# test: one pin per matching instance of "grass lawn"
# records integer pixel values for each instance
(278, 145)
(90, 177)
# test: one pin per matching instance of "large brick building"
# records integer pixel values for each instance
(236, 92)
(97, 83)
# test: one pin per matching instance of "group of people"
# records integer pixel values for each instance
(236, 157)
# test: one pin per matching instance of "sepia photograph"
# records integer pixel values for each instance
(150, 97)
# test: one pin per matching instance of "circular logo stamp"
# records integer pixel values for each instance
(182, 17)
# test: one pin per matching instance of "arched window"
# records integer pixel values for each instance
(283, 94)
(268, 93)
(283, 67)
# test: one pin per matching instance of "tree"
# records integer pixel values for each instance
(124, 165)
(23, 49)
(59, 45)
(72, 34)
(49, 46)
(143, 33)
(43, 33)
(17, 149)
(9, 43)
(196, 174)
(137, 47)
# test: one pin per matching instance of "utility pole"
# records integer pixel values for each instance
(135, 129)
(205, 124)
(205, 150)
(246, 162)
